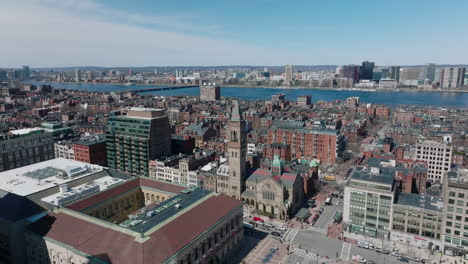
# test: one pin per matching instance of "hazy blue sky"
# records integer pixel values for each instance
(208, 32)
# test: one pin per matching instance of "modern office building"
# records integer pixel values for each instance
(136, 135)
(77, 75)
(429, 72)
(456, 213)
(438, 156)
(307, 142)
(304, 100)
(349, 71)
(368, 201)
(411, 76)
(417, 220)
(367, 68)
(126, 224)
(25, 146)
(289, 73)
(210, 92)
(452, 78)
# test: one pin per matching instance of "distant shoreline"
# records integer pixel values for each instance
(283, 87)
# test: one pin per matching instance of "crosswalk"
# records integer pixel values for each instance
(308, 255)
(317, 229)
(290, 235)
(345, 251)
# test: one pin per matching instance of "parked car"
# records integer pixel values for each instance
(274, 233)
(370, 262)
(363, 244)
(403, 259)
(414, 259)
(258, 219)
(396, 254)
(282, 228)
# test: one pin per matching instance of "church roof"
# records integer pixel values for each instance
(235, 114)
(286, 179)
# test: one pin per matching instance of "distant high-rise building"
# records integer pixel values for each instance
(277, 98)
(452, 78)
(410, 76)
(288, 69)
(136, 135)
(121, 76)
(394, 72)
(349, 71)
(26, 72)
(429, 72)
(366, 70)
(304, 100)
(210, 92)
(77, 75)
(179, 74)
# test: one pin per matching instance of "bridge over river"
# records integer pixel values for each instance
(152, 89)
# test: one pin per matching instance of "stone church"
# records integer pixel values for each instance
(274, 192)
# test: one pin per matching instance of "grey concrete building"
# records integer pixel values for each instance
(25, 146)
(368, 201)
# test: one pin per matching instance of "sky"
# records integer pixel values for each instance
(68, 33)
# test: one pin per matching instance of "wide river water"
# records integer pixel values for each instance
(388, 98)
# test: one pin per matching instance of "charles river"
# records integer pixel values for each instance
(391, 98)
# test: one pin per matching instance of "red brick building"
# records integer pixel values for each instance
(281, 150)
(91, 150)
(307, 142)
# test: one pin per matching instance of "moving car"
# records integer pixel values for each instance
(282, 228)
(381, 250)
(276, 233)
(258, 219)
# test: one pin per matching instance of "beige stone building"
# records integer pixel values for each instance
(185, 226)
(274, 192)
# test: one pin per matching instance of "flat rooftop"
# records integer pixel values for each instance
(421, 201)
(40, 176)
(81, 191)
(155, 214)
(25, 131)
(376, 175)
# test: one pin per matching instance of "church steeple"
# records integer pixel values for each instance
(276, 166)
(237, 150)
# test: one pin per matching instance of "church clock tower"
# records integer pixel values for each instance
(237, 149)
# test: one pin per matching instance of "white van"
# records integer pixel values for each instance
(363, 244)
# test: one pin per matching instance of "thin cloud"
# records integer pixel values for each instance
(45, 37)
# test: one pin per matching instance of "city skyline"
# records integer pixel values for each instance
(75, 33)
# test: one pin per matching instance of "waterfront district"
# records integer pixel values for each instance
(122, 177)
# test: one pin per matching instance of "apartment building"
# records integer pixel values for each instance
(438, 156)
(368, 201)
(64, 149)
(307, 142)
(136, 135)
